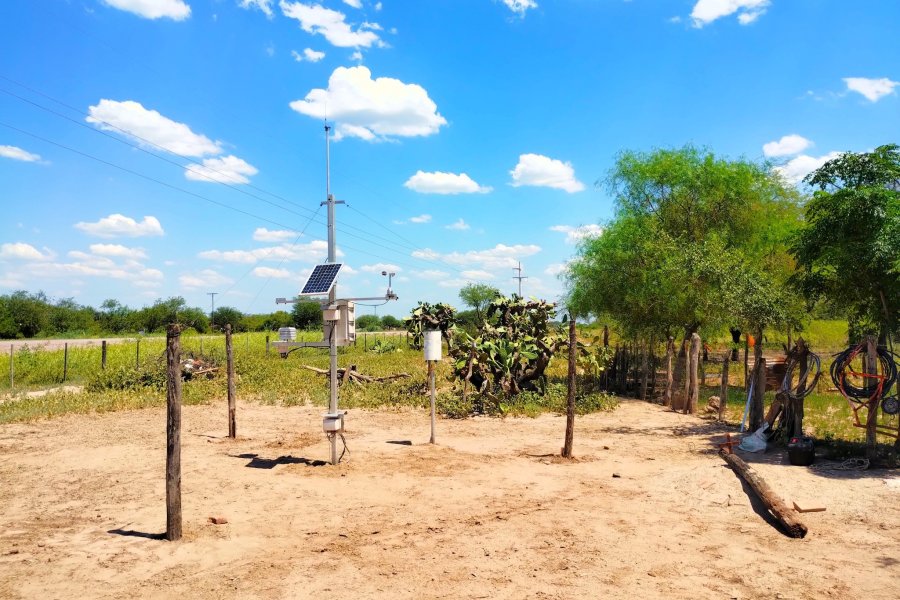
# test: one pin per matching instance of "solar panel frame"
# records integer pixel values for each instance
(321, 280)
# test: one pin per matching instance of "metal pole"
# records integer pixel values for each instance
(332, 295)
(431, 381)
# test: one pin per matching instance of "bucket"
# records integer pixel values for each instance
(801, 451)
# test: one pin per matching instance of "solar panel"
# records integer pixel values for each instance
(321, 280)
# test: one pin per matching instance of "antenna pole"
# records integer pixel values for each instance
(332, 295)
(519, 277)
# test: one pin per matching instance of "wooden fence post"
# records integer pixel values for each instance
(723, 389)
(670, 351)
(229, 358)
(65, 361)
(137, 354)
(757, 403)
(871, 360)
(173, 432)
(570, 399)
(267, 345)
(103, 354)
(645, 368)
(693, 394)
(746, 363)
(686, 387)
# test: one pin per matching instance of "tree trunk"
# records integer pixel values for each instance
(173, 433)
(793, 408)
(757, 403)
(693, 383)
(670, 352)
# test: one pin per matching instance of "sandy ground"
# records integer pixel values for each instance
(646, 511)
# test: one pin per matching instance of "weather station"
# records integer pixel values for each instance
(338, 320)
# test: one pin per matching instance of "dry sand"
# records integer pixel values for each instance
(482, 515)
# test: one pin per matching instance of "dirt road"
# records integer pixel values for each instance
(644, 512)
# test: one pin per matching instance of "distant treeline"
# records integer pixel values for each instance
(28, 315)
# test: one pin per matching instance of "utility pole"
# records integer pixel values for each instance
(519, 277)
(212, 300)
(332, 295)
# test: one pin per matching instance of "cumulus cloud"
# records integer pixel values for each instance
(149, 128)
(707, 11)
(117, 225)
(264, 5)
(225, 169)
(309, 55)
(787, 145)
(261, 234)
(379, 267)
(84, 264)
(575, 234)
(460, 225)
(500, 256)
(477, 275)
(206, 278)
(117, 250)
(153, 9)
(314, 251)
(372, 109)
(555, 269)
(269, 272)
(542, 171)
(439, 182)
(330, 24)
(23, 251)
(354, 3)
(799, 167)
(420, 219)
(873, 89)
(16, 153)
(520, 6)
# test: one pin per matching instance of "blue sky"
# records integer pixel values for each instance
(153, 148)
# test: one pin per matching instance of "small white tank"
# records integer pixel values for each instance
(287, 334)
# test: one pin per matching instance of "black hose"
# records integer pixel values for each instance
(862, 393)
(795, 393)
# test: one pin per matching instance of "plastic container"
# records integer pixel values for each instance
(801, 451)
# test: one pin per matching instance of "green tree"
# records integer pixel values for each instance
(307, 315)
(849, 249)
(155, 317)
(368, 323)
(391, 322)
(114, 317)
(478, 296)
(226, 315)
(29, 313)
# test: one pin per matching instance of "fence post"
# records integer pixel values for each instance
(267, 346)
(12, 369)
(229, 358)
(137, 354)
(103, 354)
(871, 362)
(65, 361)
(759, 391)
(173, 433)
(723, 390)
(570, 398)
(365, 341)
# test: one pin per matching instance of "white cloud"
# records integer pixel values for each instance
(787, 145)
(378, 6)
(430, 274)
(460, 225)
(498, 257)
(520, 6)
(331, 24)
(439, 182)
(117, 250)
(873, 89)
(542, 171)
(206, 278)
(264, 5)
(707, 11)
(799, 167)
(575, 234)
(92, 265)
(153, 9)
(555, 269)
(314, 251)
(379, 267)
(309, 55)
(117, 225)
(420, 219)
(23, 251)
(261, 234)
(372, 109)
(357, 56)
(353, 3)
(270, 272)
(478, 275)
(225, 169)
(17, 153)
(143, 125)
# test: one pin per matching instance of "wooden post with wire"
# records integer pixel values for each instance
(103, 354)
(570, 398)
(871, 362)
(229, 358)
(173, 432)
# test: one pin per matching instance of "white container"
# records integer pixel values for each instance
(287, 334)
(333, 422)
(433, 345)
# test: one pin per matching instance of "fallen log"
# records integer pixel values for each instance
(351, 375)
(784, 514)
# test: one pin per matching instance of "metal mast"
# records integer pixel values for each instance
(332, 295)
(520, 278)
